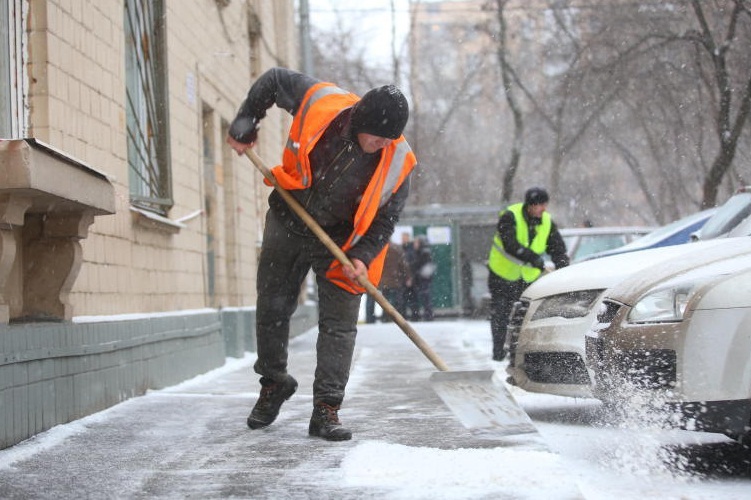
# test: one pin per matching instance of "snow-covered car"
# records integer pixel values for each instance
(674, 233)
(678, 337)
(548, 324)
(742, 229)
(729, 215)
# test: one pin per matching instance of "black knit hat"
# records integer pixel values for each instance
(536, 196)
(382, 111)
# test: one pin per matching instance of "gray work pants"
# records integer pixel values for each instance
(286, 258)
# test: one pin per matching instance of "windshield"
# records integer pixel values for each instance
(727, 216)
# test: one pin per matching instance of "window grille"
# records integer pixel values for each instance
(147, 113)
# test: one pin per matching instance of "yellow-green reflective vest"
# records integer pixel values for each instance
(508, 266)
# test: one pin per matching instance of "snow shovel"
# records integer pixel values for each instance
(482, 403)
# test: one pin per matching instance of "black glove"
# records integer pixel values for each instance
(244, 129)
(539, 263)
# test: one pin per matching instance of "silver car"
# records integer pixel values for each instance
(677, 337)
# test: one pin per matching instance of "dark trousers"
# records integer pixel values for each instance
(411, 304)
(370, 309)
(285, 260)
(395, 296)
(423, 291)
(503, 294)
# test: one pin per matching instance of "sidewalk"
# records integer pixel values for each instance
(191, 440)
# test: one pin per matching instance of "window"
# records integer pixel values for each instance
(11, 74)
(146, 106)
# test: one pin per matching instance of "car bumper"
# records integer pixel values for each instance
(548, 358)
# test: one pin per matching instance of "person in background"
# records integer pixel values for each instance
(370, 316)
(411, 306)
(395, 280)
(525, 231)
(347, 162)
(423, 269)
(467, 280)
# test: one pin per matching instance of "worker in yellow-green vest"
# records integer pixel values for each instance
(525, 232)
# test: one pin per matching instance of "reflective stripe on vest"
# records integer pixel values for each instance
(320, 105)
(510, 267)
(294, 145)
(393, 180)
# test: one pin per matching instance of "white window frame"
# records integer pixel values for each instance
(13, 83)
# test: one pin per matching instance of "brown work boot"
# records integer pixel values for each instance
(325, 423)
(273, 394)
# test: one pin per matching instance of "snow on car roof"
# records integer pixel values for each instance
(697, 266)
(603, 273)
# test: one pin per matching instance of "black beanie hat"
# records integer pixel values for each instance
(536, 196)
(382, 111)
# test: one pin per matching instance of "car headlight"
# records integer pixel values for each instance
(567, 305)
(662, 305)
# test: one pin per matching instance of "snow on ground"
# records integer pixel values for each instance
(633, 458)
(588, 455)
(465, 473)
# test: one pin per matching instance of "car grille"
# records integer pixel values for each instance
(516, 319)
(555, 368)
(594, 349)
(648, 368)
(642, 369)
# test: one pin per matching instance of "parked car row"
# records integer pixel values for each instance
(676, 233)
(674, 321)
(548, 326)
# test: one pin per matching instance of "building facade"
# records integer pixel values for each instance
(129, 229)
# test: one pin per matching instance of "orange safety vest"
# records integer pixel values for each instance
(321, 104)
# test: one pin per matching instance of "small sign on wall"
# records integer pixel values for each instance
(439, 235)
(399, 231)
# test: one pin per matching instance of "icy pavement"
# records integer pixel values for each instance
(191, 441)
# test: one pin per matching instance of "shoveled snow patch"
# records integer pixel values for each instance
(413, 473)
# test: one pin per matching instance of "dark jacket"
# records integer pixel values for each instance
(341, 170)
(395, 269)
(422, 265)
(556, 247)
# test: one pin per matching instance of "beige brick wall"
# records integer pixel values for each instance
(77, 94)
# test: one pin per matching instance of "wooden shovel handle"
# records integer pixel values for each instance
(339, 254)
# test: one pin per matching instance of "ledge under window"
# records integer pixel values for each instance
(151, 220)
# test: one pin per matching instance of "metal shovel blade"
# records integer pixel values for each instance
(483, 404)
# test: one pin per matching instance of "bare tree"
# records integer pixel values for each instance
(451, 88)
(653, 124)
(627, 112)
(677, 93)
(722, 42)
(337, 59)
(340, 56)
(512, 165)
